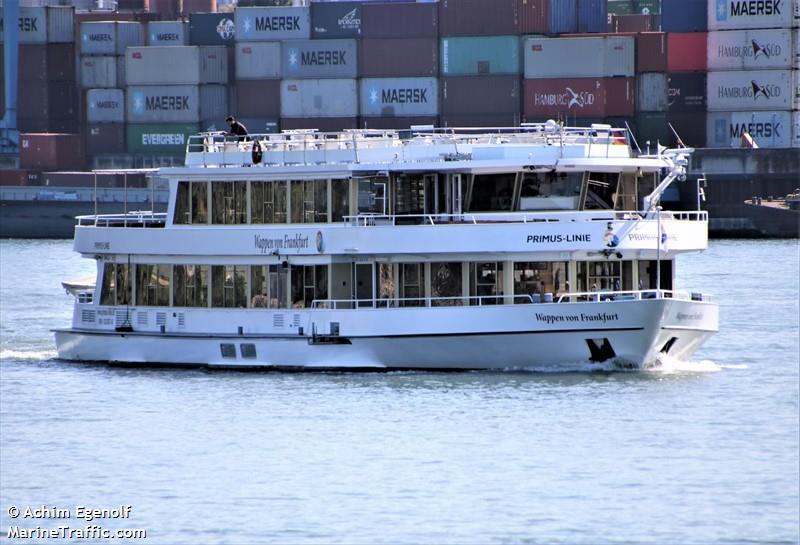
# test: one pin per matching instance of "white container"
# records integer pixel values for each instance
(258, 60)
(163, 104)
(110, 37)
(102, 71)
(272, 24)
(399, 97)
(168, 33)
(652, 92)
(105, 106)
(590, 57)
(319, 98)
(749, 90)
(768, 129)
(751, 49)
(39, 25)
(738, 14)
(176, 65)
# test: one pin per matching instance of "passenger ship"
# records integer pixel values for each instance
(425, 249)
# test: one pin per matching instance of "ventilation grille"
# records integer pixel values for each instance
(161, 318)
(121, 318)
(277, 320)
(181, 320)
(88, 316)
(141, 319)
(296, 320)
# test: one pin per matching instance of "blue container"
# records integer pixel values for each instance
(684, 16)
(592, 15)
(564, 16)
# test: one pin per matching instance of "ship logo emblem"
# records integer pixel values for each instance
(575, 99)
(610, 238)
(722, 10)
(138, 102)
(373, 96)
(759, 49)
(226, 29)
(758, 90)
(320, 242)
(293, 57)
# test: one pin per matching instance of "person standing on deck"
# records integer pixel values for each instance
(237, 129)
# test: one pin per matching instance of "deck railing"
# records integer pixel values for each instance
(131, 219)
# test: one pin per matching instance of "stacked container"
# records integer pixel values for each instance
(217, 29)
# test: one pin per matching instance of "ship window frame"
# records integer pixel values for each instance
(274, 197)
(493, 198)
(480, 286)
(150, 290)
(544, 278)
(405, 285)
(308, 283)
(229, 202)
(186, 294)
(447, 292)
(309, 201)
(191, 203)
(229, 286)
(275, 282)
(114, 275)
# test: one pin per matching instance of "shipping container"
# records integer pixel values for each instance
(478, 17)
(752, 49)
(651, 52)
(105, 139)
(686, 92)
(54, 62)
(652, 129)
(163, 103)
(467, 120)
(746, 90)
(691, 128)
(47, 101)
(318, 98)
(48, 124)
(562, 16)
(410, 57)
(39, 25)
(479, 95)
(400, 20)
(592, 15)
(315, 59)
(272, 23)
(102, 71)
(254, 125)
(589, 57)
(211, 29)
(796, 129)
(51, 151)
(390, 97)
(213, 102)
(166, 10)
(633, 23)
(322, 124)
(686, 51)
(651, 92)
(258, 60)
(105, 106)
(684, 15)
(480, 55)
(397, 123)
(190, 7)
(740, 14)
(93, 179)
(176, 65)
(768, 129)
(336, 20)
(168, 33)
(258, 98)
(110, 37)
(19, 177)
(579, 97)
(159, 138)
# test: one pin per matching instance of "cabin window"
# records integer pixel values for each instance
(492, 192)
(191, 203)
(116, 289)
(340, 199)
(385, 282)
(190, 286)
(229, 286)
(229, 202)
(309, 201)
(409, 195)
(550, 191)
(446, 284)
(372, 195)
(486, 282)
(648, 274)
(152, 285)
(267, 202)
(601, 190)
(269, 286)
(309, 282)
(599, 276)
(412, 284)
(537, 278)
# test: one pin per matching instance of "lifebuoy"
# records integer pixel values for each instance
(257, 154)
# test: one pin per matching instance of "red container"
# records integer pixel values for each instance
(198, 6)
(26, 124)
(579, 97)
(534, 16)
(478, 17)
(43, 62)
(20, 177)
(168, 10)
(92, 179)
(47, 100)
(398, 123)
(632, 23)
(481, 120)
(691, 127)
(258, 98)
(471, 95)
(409, 57)
(686, 51)
(399, 20)
(51, 151)
(324, 124)
(104, 138)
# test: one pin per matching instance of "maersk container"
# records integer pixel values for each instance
(102, 71)
(686, 92)
(272, 23)
(400, 20)
(336, 19)
(579, 97)
(159, 138)
(479, 95)
(167, 33)
(319, 98)
(258, 60)
(478, 17)
(602, 56)
(684, 15)
(747, 90)
(110, 37)
(211, 29)
(105, 106)
(411, 57)
(163, 103)
(751, 49)
(39, 25)
(740, 14)
(651, 92)
(479, 55)
(768, 129)
(387, 97)
(176, 65)
(320, 59)
(592, 15)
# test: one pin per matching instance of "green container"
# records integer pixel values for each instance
(621, 7)
(160, 138)
(652, 126)
(485, 55)
(646, 7)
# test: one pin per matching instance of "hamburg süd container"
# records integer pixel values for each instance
(579, 97)
(651, 92)
(258, 98)
(592, 15)
(479, 55)
(399, 97)
(400, 20)
(336, 19)
(258, 60)
(45, 62)
(105, 106)
(104, 138)
(316, 59)
(168, 33)
(110, 37)
(686, 92)
(740, 14)
(312, 98)
(752, 49)
(51, 151)
(211, 29)
(39, 25)
(159, 138)
(411, 57)
(102, 71)
(768, 129)
(748, 90)
(685, 15)
(479, 95)
(272, 23)
(589, 57)
(478, 17)
(686, 51)
(176, 65)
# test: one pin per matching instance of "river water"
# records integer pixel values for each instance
(698, 452)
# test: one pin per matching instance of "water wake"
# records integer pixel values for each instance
(27, 355)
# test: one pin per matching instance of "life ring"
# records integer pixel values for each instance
(257, 153)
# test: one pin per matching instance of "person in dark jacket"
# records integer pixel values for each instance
(237, 129)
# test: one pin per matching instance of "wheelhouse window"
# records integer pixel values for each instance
(492, 192)
(152, 285)
(229, 286)
(446, 284)
(309, 201)
(601, 190)
(372, 195)
(269, 286)
(486, 281)
(599, 275)
(116, 289)
(229, 202)
(309, 282)
(190, 286)
(537, 278)
(191, 203)
(550, 191)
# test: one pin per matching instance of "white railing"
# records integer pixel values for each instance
(631, 295)
(411, 302)
(131, 219)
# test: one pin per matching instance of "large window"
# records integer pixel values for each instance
(486, 282)
(229, 286)
(309, 282)
(492, 192)
(228, 202)
(268, 286)
(550, 191)
(152, 285)
(340, 199)
(268, 202)
(372, 195)
(309, 201)
(537, 278)
(191, 204)
(190, 286)
(116, 289)
(412, 284)
(446, 284)
(601, 190)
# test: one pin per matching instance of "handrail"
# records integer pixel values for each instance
(629, 295)
(138, 219)
(457, 300)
